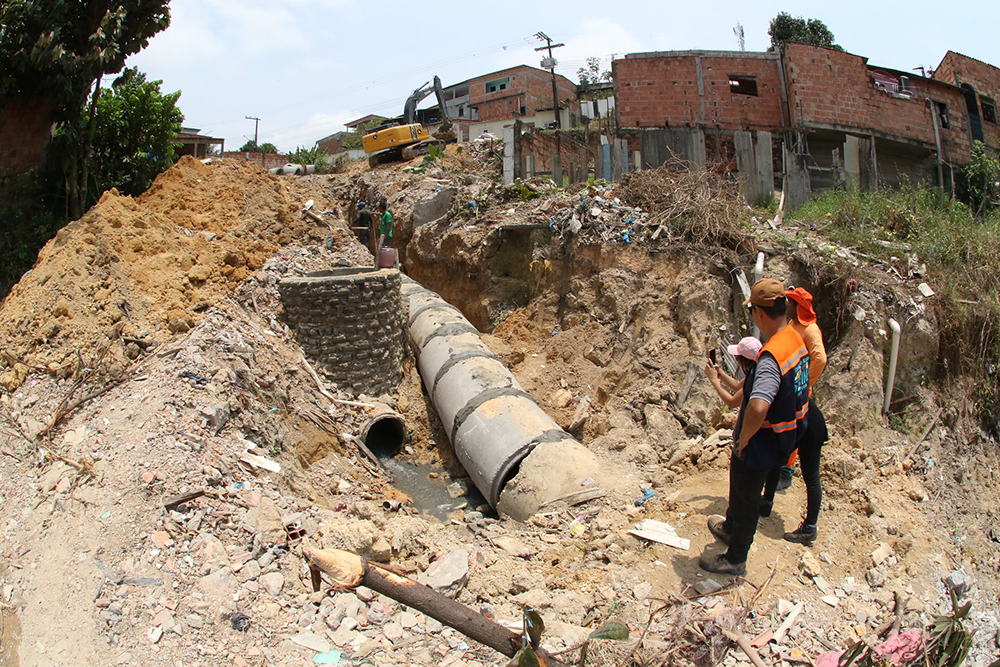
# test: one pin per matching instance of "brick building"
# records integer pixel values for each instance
(194, 143)
(980, 85)
(826, 113)
(488, 102)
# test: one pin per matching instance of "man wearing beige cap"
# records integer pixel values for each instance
(772, 419)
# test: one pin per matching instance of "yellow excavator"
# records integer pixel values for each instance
(405, 140)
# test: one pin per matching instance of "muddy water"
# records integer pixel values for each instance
(429, 495)
(10, 630)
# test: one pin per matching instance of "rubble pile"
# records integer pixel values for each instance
(162, 518)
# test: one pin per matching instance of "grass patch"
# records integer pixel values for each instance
(962, 255)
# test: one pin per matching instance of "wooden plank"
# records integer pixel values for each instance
(746, 165)
(764, 164)
(689, 378)
(174, 502)
(576, 498)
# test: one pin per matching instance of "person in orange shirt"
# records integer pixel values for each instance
(802, 318)
(772, 418)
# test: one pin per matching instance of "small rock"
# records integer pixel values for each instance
(881, 553)
(154, 634)
(823, 585)
(457, 489)
(707, 586)
(958, 581)
(392, 631)
(876, 577)
(830, 600)
(161, 539)
(784, 607)
(448, 575)
(272, 582)
(148, 477)
(312, 641)
(809, 564)
(642, 590)
(515, 547)
(407, 619)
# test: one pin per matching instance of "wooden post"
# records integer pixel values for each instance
(348, 570)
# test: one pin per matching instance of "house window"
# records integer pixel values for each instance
(461, 112)
(942, 112)
(498, 84)
(744, 85)
(989, 109)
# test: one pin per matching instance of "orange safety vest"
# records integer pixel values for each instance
(787, 415)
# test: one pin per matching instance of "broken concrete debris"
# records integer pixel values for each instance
(200, 537)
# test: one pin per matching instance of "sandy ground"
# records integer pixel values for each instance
(167, 305)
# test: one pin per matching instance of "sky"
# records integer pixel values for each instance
(305, 67)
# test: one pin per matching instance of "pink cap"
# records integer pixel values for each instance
(748, 347)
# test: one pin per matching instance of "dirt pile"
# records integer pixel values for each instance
(150, 266)
(608, 336)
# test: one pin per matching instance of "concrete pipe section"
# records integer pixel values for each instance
(516, 454)
(385, 432)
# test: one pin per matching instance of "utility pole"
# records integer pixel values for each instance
(550, 63)
(256, 124)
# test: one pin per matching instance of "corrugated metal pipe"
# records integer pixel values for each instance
(493, 424)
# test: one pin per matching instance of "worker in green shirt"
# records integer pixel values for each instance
(386, 229)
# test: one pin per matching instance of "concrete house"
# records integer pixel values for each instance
(823, 116)
(488, 102)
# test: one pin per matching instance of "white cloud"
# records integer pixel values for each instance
(599, 37)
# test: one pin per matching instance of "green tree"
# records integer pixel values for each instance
(251, 147)
(787, 28)
(60, 49)
(592, 74)
(135, 131)
(982, 179)
(302, 155)
(352, 140)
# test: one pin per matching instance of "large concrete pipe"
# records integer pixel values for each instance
(492, 422)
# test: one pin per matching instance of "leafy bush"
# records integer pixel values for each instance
(301, 155)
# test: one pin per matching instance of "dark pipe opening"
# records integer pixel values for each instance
(386, 435)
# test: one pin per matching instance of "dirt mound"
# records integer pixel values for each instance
(150, 265)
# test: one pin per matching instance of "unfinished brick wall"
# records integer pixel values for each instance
(25, 129)
(984, 78)
(271, 160)
(693, 88)
(351, 323)
(543, 146)
(528, 87)
(834, 89)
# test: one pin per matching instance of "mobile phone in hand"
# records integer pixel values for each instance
(711, 355)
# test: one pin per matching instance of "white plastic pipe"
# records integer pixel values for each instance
(893, 355)
(758, 269)
(758, 273)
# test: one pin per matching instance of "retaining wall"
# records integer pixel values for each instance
(350, 323)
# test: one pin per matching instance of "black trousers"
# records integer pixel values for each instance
(810, 455)
(743, 512)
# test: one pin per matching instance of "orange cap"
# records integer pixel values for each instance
(804, 309)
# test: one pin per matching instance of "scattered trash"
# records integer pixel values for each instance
(329, 658)
(260, 462)
(664, 533)
(647, 494)
(240, 622)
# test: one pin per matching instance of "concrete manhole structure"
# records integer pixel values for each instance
(351, 323)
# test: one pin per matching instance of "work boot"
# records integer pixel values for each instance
(804, 534)
(719, 564)
(717, 526)
(783, 483)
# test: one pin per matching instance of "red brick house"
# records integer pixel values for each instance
(842, 120)
(490, 101)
